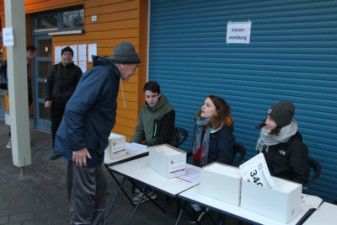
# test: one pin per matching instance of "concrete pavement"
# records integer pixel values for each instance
(38, 197)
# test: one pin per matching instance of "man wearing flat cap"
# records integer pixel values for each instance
(83, 133)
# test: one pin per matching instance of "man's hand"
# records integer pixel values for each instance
(47, 104)
(80, 157)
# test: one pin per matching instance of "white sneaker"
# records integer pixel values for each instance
(151, 194)
(197, 216)
(9, 144)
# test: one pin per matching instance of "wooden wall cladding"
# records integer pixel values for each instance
(117, 21)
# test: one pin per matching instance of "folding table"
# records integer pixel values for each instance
(193, 195)
(138, 172)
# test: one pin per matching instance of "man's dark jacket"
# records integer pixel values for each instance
(90, 113)
(61, 82)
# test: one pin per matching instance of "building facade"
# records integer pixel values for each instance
(291, 56)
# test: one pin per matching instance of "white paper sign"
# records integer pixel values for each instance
(74, 48)
(92, 50)
(7, 36)
(238, 32)
(256, 171)
(83, 66)
(82, 57)
(57, 51)
(134, 147)
(311, 201)
(82, 52)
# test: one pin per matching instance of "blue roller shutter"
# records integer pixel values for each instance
(292, 56)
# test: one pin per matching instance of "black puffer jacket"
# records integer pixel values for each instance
(61, 82)
(289, 160)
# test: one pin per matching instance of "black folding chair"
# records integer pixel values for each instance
(181, 135)
(238, 148)
(317, 168)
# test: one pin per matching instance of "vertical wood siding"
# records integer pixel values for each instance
(117, 21)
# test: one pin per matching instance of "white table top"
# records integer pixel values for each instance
(139, 170)
(126, 157)
(194, 195)
(326, 214)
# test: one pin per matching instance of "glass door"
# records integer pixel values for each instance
(42, 64)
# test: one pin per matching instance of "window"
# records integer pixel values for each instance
(46, 22)
(73, 19)
(61, 20)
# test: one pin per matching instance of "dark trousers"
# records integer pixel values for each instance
(86, 192)
(56, 115)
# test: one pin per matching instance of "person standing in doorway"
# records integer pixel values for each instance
(61, 83)
(30, 55)
(83, 133)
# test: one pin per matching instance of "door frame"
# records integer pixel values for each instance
(40, 124)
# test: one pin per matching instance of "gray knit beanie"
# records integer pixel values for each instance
(282, 113)
(124, 53)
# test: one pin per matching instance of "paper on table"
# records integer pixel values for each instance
(256, 171)
(311, 201)
(192, 174)
(134, 147)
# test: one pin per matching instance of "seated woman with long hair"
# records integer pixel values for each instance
(281, 143)
(213, 137)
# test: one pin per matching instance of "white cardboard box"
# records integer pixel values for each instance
(116, 147)
(167, 160)
(282, 205)
(221, 182)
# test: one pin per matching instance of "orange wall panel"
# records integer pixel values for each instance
(93, 36)
(112, 8)
(143, 21)
(101, 18)
(115, 25)
(40, 6)
(117, 21)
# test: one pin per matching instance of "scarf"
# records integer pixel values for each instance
(201, 139)
(64, 64)
(266, 140)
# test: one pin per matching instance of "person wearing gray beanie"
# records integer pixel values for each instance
(82, 136)
(125, 53)
(282, 145)
(126, 59)
(282, 113)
